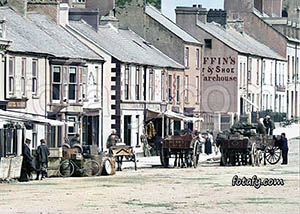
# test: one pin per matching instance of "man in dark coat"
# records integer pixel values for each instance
(207, 149)
(284, 149)
(27, 164)
(269, 124)
(42, 153)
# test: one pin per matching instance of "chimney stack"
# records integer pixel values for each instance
(110, 19)
(19, 6)
(237, 24)
(47, 7)
(191, 14)
(63, 14)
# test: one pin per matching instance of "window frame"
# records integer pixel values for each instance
(11, 75)
(127, 82)
(60, 83)
(178, 89)
(186, 57)
(34, 77)
(137, 82)
(186, 88)
(23, 77)
(75, 84)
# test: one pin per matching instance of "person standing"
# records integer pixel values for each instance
(284, 149)
(260, 129)
(207, 149)
(42, 160)
(269, 124)
(75, 140)
(27, 163)
(113, 140)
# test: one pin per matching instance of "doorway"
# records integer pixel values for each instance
(127, 130)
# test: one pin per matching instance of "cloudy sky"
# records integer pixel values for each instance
(168, 6)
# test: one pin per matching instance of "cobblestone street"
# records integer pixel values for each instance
(207, 189)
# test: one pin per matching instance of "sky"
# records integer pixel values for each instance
(168, 6)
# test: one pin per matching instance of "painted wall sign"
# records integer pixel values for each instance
(219, 84)
(219, 69)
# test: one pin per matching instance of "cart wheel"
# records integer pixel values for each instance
(108, 166)
(92, 167)
(164, 157)
(196, 154)
(273, 154)
(66, 168)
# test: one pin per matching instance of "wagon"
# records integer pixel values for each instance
(267, 149)
(186, 150)
(254, 149)
(235, 149)
(119, 152)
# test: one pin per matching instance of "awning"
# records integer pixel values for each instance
(151, 114)
(14, 116)
(250, 102)
(174, 115)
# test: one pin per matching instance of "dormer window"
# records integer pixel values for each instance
(208, 43)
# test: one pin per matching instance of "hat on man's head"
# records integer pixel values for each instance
(27, 139)
(268, 117)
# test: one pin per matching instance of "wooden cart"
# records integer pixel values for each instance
(186, 149)
(119, 152)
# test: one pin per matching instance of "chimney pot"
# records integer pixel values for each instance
(194, 5)
(199, 5)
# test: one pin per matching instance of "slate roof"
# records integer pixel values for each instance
(39, 34)
(170, 25)
(240, 42)
(125, 45)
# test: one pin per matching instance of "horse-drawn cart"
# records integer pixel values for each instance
(186, 150)
(123, 151)
(241, 146)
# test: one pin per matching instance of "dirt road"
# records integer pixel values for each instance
(207, 189)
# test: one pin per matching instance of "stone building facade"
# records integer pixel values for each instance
(271, 27)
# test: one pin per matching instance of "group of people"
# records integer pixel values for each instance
(28, 168)
(265, 127)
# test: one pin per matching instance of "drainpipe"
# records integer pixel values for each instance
(46, 81)
(261, 84)
(295, 79)
(102, 88)
(275, 107)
